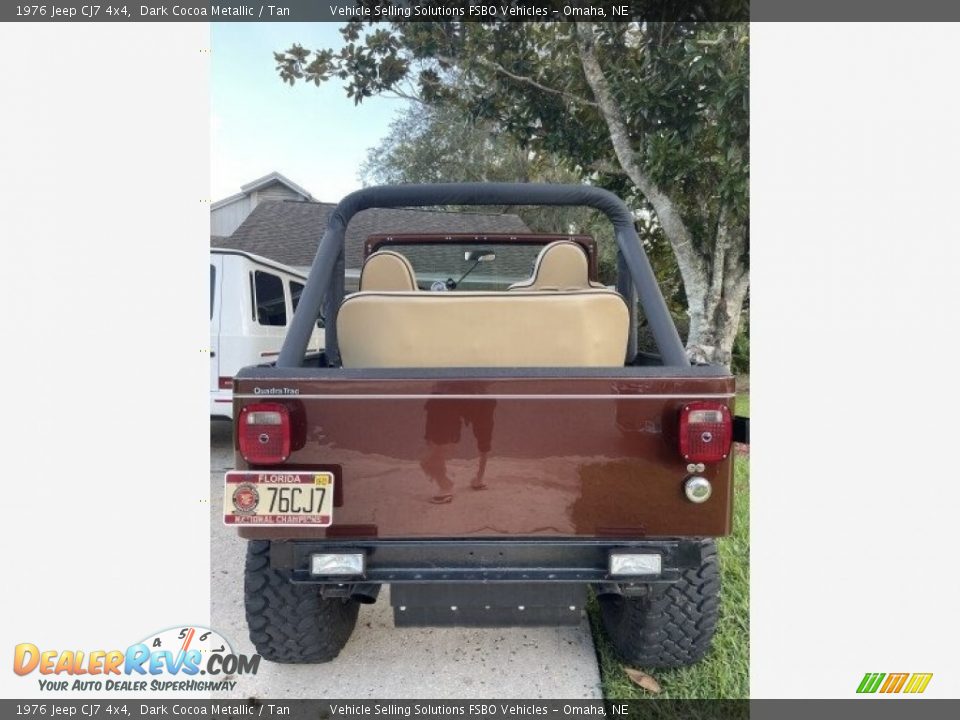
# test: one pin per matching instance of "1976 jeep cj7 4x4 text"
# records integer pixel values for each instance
(482, 434)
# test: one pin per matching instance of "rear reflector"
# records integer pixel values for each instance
(226, 383)
(263, 433)
(706, 431)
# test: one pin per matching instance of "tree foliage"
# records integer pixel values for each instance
(439, 144)
(656, 112)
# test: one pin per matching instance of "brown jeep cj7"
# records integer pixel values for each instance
(482, 434)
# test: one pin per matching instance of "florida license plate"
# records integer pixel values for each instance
(278, 498)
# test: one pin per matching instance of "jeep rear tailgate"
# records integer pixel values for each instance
(569, 453)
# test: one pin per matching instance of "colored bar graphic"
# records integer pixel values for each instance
(894, 682)
(903, 679)
(870, 682)
(918, 682)
(914, 683)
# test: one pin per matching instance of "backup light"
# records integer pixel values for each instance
(627, 564)
(338, 564)
(697, 489)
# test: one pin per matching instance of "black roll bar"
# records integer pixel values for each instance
(391, 196)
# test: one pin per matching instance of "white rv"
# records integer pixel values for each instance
(252, 300)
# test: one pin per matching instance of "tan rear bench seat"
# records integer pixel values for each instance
(586, 328)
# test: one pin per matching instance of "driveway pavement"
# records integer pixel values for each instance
(381, 661)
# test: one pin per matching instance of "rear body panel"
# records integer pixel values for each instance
(569, 454)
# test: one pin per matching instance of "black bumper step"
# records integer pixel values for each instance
(487, 605)
(475, 562)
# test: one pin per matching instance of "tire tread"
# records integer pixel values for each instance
(292, 623)
(674, 625)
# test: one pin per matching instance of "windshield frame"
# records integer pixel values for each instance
(386, 241)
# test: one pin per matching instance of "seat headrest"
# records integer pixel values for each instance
(387, 271)
(561, 265)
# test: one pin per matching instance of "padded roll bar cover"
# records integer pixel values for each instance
(413, 195)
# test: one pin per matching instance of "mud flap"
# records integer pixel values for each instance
(487, 604)
(741, 429)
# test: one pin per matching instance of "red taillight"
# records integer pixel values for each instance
(706, 430)
(263, 433)
(226, 383)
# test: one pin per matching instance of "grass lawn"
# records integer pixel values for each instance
(725, 671)
(743, 405)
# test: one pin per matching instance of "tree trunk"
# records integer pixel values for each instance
(715, 300)
(715, 284)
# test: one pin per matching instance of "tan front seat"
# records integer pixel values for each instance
(387, 271)
(561, 265)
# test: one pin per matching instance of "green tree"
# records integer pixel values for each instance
(440, 144)
(657, 112)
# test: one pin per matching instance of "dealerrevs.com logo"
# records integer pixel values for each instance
(179, 659)
(893, 683)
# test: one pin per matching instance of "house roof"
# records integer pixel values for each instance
(262, 182)
(289, 231)
(271, 178)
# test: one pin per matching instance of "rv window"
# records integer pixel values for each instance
(268, 296)
(296, 290)
(213, 287)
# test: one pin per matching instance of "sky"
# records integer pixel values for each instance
(315, 136)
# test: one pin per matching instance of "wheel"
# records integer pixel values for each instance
(672, 625)
(292, 623)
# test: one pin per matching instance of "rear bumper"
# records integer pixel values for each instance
(494, 561)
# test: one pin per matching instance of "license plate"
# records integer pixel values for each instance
(278, 498)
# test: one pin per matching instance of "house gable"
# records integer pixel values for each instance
(228, 214)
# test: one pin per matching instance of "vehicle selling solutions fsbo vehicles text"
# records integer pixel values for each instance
(472, 11)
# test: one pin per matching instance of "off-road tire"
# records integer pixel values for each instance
(672, 625)
(292, 623)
